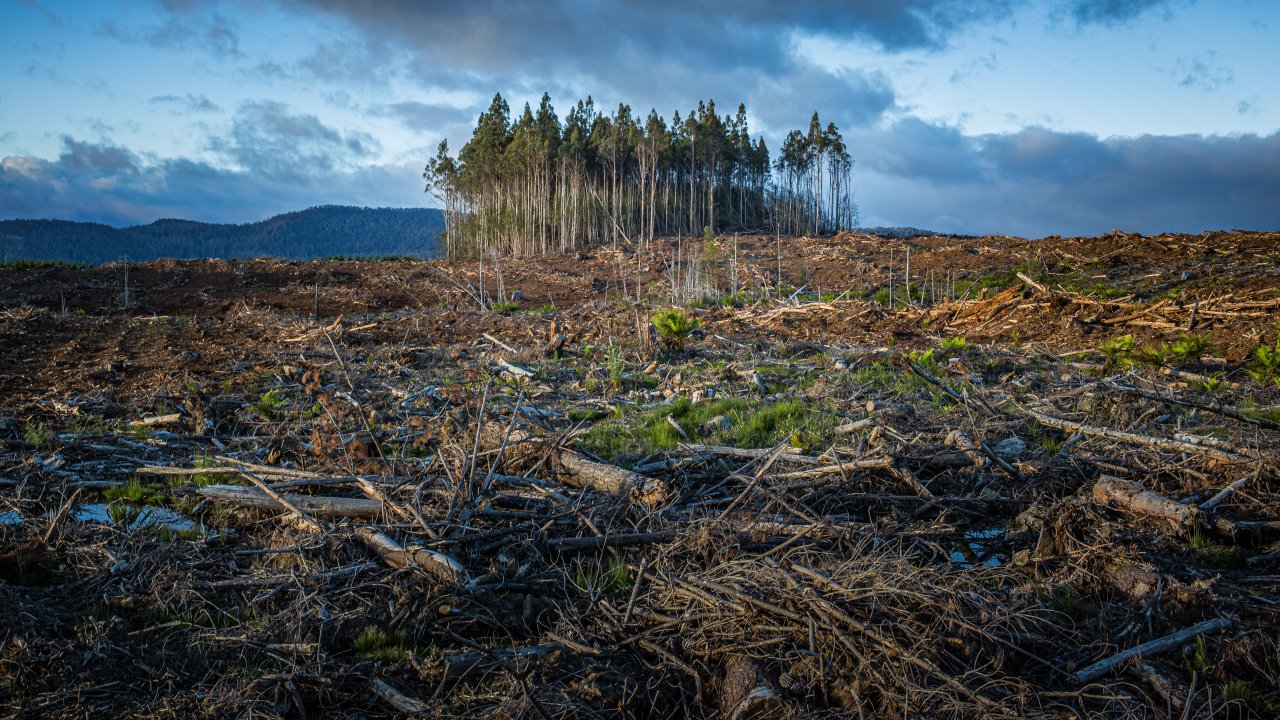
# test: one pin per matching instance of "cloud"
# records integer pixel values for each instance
(186, 104)
(424, 116)
(189, 24)
(107, 183)
(1117, 12)
(662, 54)
(266, 138)
(847, 98)
(1193, 72)
(1037, 182)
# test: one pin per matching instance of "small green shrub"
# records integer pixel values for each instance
(955, 344)
(674, 326)
(271, 405)
(1266, 363)
(37, 433)
(505, 308)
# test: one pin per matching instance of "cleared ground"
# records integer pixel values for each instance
(853, 491)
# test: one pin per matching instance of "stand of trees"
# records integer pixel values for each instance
(539, 185)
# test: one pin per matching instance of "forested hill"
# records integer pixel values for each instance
(313, 233)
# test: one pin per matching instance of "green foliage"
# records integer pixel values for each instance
(506, 308)
(376, 643)
(271, 405)
(954, 345)
(674, 326)
(596, 581)
(1185, 348)
(1198, 659)
(1124, 351)
(805, 424)
(1243, 692)
(36, 433)
(1213, 553)
(1265, 365)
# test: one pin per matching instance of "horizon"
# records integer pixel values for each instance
(1161, 117)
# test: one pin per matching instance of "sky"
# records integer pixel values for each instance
(1014, 117)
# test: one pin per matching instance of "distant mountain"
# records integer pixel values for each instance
(906, 233)
(313, 233)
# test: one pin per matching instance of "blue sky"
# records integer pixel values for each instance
(1027, 118)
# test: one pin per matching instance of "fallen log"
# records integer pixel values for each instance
(1131, 496)
(1149, 648)
(316, 505)
(1181, 444)
(397, 556)
(523, 449)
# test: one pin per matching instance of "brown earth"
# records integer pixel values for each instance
(891, 563)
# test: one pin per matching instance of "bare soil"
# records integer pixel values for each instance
(841, 505)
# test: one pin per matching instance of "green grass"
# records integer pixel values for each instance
(375, 643)
(595, 581)
(1214, 553)
(505, 308)
(803, 423)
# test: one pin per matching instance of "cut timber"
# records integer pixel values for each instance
(316, 505)
(525, 449)
(747, 694)
(1131, 496)
(397, 556)
(398, 700)
(1149, 648)
(1184, 443)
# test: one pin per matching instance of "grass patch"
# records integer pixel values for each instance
(376, 643)
(1214, 553)
(505, 308)
(803, 423)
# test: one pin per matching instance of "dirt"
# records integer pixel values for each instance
(991, 580)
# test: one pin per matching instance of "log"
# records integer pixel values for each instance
(396, 555)
(1182, 444)
(1132, 497)
(748, 693)
(525, 449)
(316, 505)
(398, 700)
(1149, 648)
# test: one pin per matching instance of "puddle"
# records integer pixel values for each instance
(981, 547)
(134, 516)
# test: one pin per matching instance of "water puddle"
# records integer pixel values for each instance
(981, 547)
(134, 516)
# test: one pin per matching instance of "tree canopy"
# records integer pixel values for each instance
(537, 184)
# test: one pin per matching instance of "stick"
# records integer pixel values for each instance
(1134, 439)
(396, 555)
(300, 505)
(1151, 647)
(398, 700)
